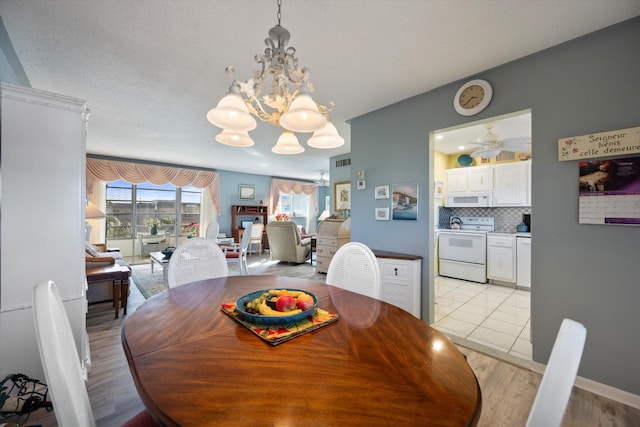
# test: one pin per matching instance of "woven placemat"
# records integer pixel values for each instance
(277, 334)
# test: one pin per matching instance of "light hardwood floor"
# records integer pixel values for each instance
(508, 390)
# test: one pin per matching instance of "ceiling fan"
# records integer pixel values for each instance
(491, 145)
(321, 182)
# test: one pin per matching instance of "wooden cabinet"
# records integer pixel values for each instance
(332, 233)
(473, 179)
(501, 257)
(511, 184)
(241, 213)
(400, 280)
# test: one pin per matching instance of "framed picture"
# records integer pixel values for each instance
(382, 214)
(342, 195)
(246, 192)
(404, 202)
(437, 191)
(382, 192)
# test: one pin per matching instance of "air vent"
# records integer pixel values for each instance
(343, 162)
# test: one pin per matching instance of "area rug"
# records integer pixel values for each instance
(149, 283)
(153, 283)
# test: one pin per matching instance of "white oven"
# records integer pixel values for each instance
(463, 253)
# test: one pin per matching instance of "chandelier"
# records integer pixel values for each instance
(288, 104)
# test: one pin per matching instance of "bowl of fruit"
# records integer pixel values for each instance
(276, 306)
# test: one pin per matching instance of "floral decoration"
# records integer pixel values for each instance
(282, 217)
(192, 228)
(152, 222)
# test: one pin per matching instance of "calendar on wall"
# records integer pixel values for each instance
(609, 191)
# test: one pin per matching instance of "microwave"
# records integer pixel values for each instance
(468, 200)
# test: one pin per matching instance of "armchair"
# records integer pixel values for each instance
(286, 244)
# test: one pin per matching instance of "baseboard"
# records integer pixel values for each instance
(621, 396)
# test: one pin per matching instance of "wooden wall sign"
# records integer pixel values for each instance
(613, 143)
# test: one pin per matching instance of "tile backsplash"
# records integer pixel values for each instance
(506, 219)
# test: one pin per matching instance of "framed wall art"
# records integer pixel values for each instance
(382, 192)
(342, 196)
(382, 214)
(246, 192)
(404, 202)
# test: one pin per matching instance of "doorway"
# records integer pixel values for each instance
(493, 315)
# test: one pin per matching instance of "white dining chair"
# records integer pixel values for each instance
(256, 237)
(354, 267)
(238, 252)
(196, 259)
(212, 230)
(62, 366)
(555, 388)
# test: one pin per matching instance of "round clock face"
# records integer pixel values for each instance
(473, 97)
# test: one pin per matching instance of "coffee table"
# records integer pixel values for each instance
(162, 261)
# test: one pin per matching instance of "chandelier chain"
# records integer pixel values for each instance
(279, 15)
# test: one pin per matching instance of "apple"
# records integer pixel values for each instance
(285, 303)
(305, 302)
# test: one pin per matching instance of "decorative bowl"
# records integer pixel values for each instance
(167, 252)
(465, 160)
(272, 320)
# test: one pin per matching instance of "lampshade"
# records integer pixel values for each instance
(92, 212)
(287, 144)
(344, 205)
(327, 137)
(235, 138)
(232, 113)
(324, 215)
(303, 115)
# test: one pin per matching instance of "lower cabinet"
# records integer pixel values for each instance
(501, 257)
(400, 280)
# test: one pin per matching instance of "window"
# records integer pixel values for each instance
(294, 205)
(129, 209)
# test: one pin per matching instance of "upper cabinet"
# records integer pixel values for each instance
(473, 179)
(511, 184)
(508, 184)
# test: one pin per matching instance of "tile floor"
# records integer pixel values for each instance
(491, 315)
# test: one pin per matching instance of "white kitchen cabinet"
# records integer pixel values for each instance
(480, 178)
(400, 280)
(511, 184)
(42, 230)
(457, 180)
(523, 262)
(501, 257)
(471, 179)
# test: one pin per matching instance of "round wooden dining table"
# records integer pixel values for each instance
(377, 365)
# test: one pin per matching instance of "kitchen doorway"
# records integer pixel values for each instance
(495, 315)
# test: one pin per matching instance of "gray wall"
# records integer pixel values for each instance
(590, 273)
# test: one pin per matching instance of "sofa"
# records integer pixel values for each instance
(286, 244)
(97, 255)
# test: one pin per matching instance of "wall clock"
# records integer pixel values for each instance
(473, 97)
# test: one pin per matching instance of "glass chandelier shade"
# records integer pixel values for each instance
(232, 114)
(303, 115)
(327, 137)
(287, 144)
(288, 104)
(235, 138)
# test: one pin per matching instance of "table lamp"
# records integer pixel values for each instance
(344, 207)
(91, 212)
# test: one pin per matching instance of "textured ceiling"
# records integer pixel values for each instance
(151, 69)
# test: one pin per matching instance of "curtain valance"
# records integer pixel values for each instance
(296, 187)
(137, 173)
